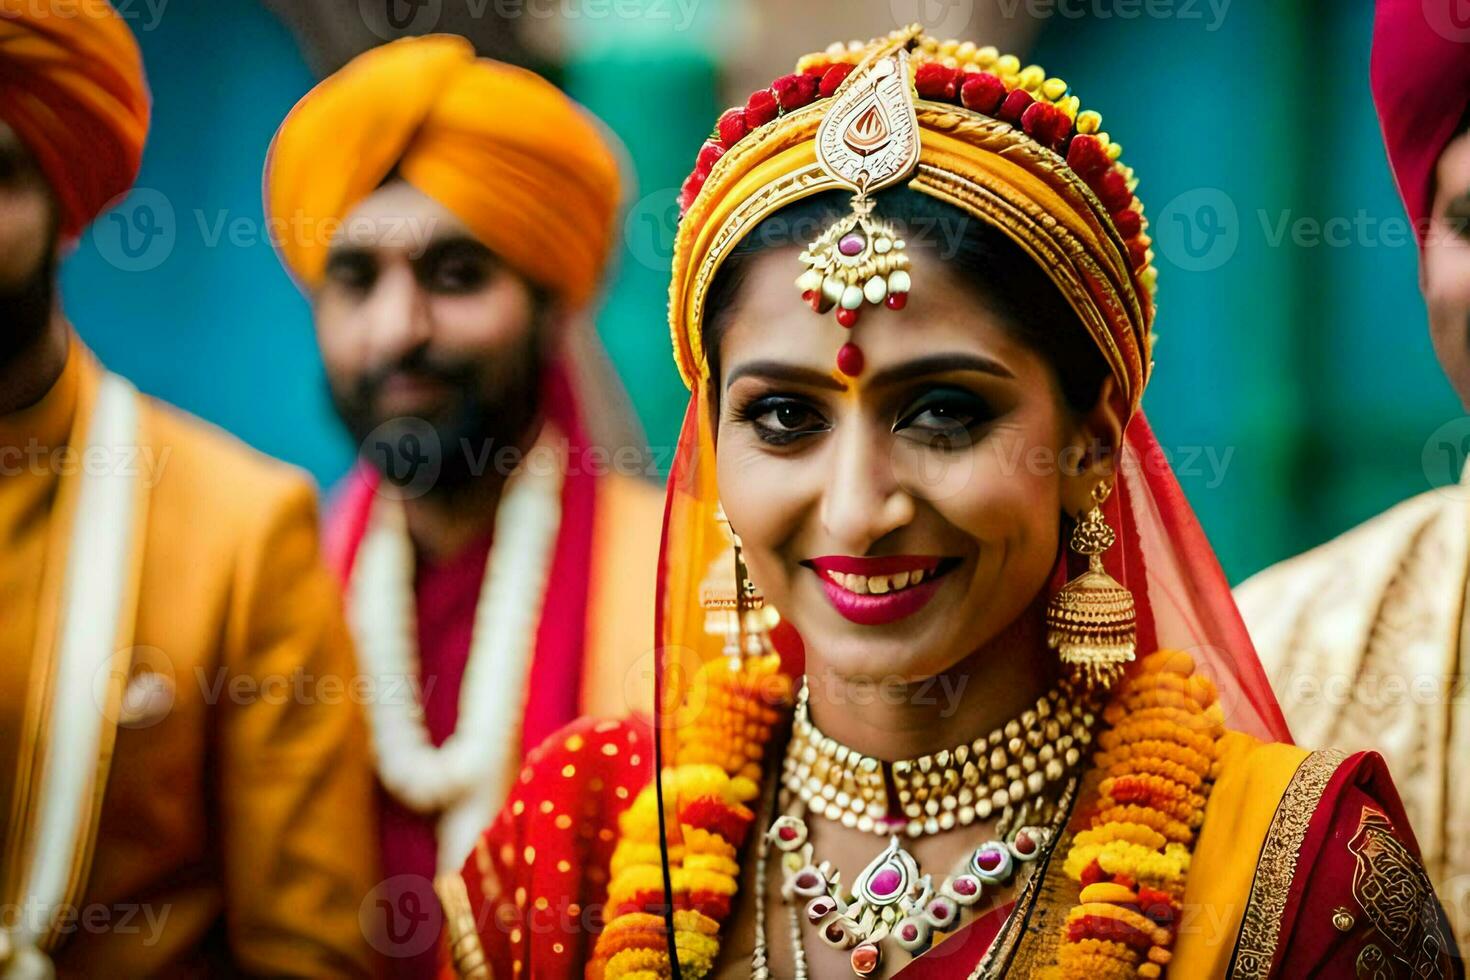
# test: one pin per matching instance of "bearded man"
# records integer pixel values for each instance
(184, 782)
(450, 219)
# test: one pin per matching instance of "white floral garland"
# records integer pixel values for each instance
(88, 664)
(470, 774)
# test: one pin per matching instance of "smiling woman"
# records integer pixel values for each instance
(972, 398)
(932, 472)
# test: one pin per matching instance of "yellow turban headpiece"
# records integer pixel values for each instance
(999, 141)
(528, 170)
(72, 88)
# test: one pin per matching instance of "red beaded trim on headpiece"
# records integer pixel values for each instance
(974, 78)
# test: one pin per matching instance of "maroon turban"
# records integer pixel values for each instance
(1421, 85)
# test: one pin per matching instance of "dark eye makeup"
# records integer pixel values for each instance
(781, 420)
(945, 417)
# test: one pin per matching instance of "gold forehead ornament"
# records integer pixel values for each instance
(868, 140)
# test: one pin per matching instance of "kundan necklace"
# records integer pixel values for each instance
(890, 899)
(466, 778)
(937, 792)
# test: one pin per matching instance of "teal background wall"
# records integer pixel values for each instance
(1292, 336)
(178, 287)
(1295, 390)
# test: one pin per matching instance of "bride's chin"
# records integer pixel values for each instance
(902, 653)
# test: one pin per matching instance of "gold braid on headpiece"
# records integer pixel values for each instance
(964, 124)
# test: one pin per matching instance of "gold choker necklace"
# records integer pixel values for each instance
(1003, 773)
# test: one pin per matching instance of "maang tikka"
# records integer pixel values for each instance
(1091, 621)
(868, 140)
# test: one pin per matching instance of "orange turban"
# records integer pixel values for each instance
(527, 169)
(72, 88)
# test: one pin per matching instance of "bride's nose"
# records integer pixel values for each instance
(862, 498)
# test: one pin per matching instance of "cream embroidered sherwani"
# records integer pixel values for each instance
(1362, 638)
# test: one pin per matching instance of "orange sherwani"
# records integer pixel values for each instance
(233, 831)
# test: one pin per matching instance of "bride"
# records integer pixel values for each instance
(950, 682)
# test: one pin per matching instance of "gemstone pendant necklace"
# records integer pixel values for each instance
(891, 899)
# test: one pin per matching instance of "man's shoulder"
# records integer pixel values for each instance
(1359, 555)
(199, 467)
(631, 514)
(634, 496)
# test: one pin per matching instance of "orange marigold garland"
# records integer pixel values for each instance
(1155, 764)
(711, 787)
(1131, 863)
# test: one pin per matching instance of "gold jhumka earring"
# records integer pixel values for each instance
(733, 607)
(1091, 621)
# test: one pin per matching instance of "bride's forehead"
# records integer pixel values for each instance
(769, 320)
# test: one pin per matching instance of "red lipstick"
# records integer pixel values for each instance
(880, 608)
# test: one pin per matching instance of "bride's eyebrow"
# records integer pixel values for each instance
(938, 364)
(778, 371)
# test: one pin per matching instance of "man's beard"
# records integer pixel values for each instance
(482, 419)
(25, 310)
